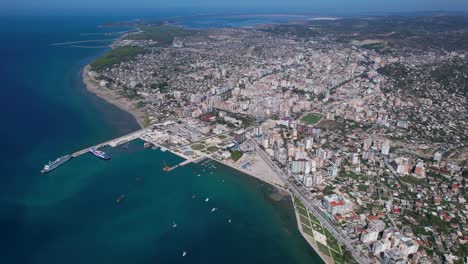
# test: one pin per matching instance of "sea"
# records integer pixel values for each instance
(71, 215)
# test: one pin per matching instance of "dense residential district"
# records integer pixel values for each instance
(369, 136)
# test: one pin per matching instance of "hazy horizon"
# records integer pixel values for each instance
(241, 6)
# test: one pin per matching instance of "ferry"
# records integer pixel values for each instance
(52, 165)
(100, 154)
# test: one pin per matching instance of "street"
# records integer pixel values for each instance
(313, 208)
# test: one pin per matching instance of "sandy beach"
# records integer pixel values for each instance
(114, 98)
(258, 169)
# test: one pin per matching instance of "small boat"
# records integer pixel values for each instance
(214, 209)
(174, 225)
(229, 221)
(184, 253)
(207, 199)
(120, 198)
(198, 175)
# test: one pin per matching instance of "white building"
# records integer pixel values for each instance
(377, 224)
(300, 166)
(257, 131)
(317, 179)
(333, 170)
(308, 181)
(337, 204)
(408, 246)
(393, 256)
(385, 147)
(380, 246)
(369, 235)
(309, 143)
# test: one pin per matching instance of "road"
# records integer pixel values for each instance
(312, 207)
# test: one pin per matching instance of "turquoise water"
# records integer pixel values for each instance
(71, 214)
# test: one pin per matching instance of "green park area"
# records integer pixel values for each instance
(198, 146)
(212, 149)
(311, 224)
(311, 118)
(413, 180)
(116, 56)
(236, 155)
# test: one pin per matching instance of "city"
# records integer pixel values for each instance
(369, 136)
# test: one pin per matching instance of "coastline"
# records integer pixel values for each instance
(267, 178)
(310, 240)
(281, 188)
(113, 98)
(127, 105)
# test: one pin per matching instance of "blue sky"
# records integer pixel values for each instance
(245, 5)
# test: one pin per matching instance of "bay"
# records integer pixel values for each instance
(71, 215)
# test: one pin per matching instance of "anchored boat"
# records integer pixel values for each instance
(120, 198)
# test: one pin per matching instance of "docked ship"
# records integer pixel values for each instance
(52, 165)
(99, 153)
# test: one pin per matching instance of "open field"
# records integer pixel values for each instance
(311, 118)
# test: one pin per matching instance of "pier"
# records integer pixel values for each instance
(141, 134)
(183, 163)
(113, 143)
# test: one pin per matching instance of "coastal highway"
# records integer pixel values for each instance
(313, 208)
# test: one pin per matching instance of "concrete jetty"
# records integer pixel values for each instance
(113, 143)
(183, 163)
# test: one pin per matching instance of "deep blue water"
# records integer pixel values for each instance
(71, 214)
